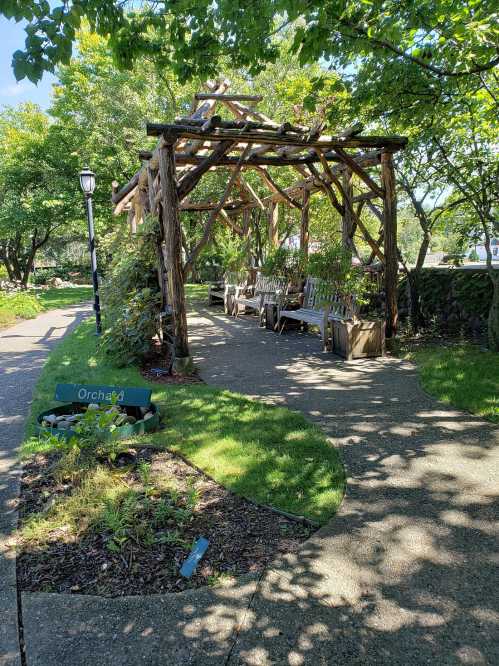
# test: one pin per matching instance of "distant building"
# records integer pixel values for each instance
(482, 254)
(434, 258)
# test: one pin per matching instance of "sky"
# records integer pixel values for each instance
(11, 93)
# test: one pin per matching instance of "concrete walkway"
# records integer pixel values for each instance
(23, 351)
(404, 574)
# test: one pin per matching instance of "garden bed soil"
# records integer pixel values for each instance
(156, 368)
(243, 538)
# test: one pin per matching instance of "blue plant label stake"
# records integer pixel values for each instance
(197, 552)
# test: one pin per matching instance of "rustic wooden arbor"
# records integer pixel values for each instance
(203, 141)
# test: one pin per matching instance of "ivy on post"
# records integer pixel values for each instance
(172, 233)
(304, 230)
(390, 242)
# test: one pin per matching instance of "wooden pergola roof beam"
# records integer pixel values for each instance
(228, 98)
(391, 143)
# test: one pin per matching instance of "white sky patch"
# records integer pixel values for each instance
(13, 90)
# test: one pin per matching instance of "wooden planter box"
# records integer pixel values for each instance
(360, 339)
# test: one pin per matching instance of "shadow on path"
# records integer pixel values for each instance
(405, 572)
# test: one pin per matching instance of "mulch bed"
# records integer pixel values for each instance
(156, 368)
(243, 538)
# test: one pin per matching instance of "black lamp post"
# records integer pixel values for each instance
(87, 183)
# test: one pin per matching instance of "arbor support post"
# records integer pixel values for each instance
(304, 226)
(390, 242)
(347, 221)
(273, 224)
(172, 233)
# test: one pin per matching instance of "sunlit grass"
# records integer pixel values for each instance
(75, 513)
(28, 304)
(267, 454)
(64, 296)
(462, 375)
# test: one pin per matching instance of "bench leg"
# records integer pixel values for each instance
(282, 327)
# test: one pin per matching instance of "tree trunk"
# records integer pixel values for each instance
(16, 266)
(414, 282)
(493, 322)
(28, 266)
(8, 267)
(173, 241)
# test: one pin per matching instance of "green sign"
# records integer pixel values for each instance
(87, 393)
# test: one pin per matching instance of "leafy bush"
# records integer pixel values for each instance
(76, 274)
(131, 303)
(21, 304)
(128, 338)
(284, 262)
(333, 264)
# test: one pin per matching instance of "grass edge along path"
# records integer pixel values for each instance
(267, 454)
(461, 375)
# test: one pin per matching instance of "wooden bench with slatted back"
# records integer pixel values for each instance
(321, 305)
(220, 291)
(265, 290)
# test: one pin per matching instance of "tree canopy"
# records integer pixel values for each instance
(441, 37)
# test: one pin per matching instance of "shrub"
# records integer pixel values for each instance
(131, 302)
(20, 304)
(128, 337)
(76, 274)
(333, 264)
(285, 262)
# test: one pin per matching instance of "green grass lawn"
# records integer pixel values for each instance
(196, 293)
(27, 304)
(268, 454)
(64, 296)
(461, 375)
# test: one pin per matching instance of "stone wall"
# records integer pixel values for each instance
(452, 300)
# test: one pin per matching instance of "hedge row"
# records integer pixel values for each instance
(451, 298)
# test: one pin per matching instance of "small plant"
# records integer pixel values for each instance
(172, 538)
(118, 518)
(175, 495)
(183, 516)
(219, 578)
(192, 498)
(144, 472)
(163, 512)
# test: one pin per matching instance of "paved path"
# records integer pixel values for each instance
(403, 575)
(406, 573)
(23, 351)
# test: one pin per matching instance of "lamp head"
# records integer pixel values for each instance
(87, 181)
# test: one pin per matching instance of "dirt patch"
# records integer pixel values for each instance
(243, 537)
(156, 368)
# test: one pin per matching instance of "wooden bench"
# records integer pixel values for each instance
(225, 289)
(266, 290)
(321, 305)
